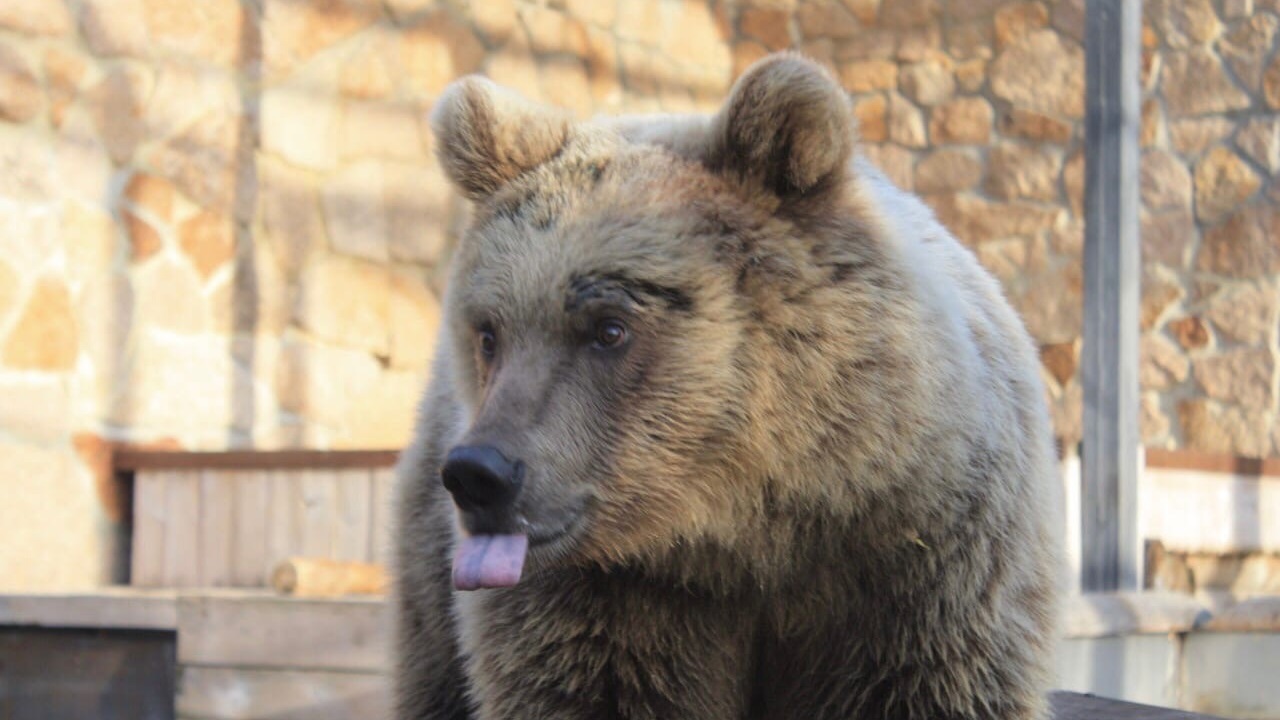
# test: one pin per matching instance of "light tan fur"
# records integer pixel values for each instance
(816, 483)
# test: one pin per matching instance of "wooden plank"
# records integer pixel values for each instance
(250, 538)
(148, 542)
(182, 530)
(237, 629)
(235, 693)
(317, 505)
(217, 528)
(1073, 706)
(283, 540)
(1141, 613)
(1211, 462)
(1111, 556)
(355, 498)
(381, 514)
(135, 459)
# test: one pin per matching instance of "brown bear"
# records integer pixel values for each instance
(721, 424)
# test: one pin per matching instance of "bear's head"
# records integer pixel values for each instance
(608, 304)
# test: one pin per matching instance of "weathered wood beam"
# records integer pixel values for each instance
(1111, 556)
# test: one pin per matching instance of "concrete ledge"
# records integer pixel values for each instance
(1260, 614)
(114, 608)
(1108, 614)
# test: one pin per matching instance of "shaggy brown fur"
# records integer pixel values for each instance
(813, 483)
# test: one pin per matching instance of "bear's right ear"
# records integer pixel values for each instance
(787, 126)
(486, 136)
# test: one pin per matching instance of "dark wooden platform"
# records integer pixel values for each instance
(1074, 706)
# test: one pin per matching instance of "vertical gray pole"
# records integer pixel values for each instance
(1110, 556)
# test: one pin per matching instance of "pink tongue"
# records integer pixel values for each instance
(489, 561)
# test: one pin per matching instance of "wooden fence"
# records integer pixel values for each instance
(226, 519)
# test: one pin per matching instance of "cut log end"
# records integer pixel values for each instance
(320, 577)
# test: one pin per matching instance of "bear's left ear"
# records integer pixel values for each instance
(486, 135)
(787, 125)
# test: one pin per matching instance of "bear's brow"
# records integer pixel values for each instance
(640, 291)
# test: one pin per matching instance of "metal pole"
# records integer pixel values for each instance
(1111, 556)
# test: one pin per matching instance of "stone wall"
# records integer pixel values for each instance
(221, 224)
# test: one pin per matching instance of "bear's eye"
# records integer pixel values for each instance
(610, 334)
(488, 343)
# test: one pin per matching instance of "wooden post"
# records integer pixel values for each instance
(1111, 557)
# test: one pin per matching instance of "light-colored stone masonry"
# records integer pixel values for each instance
(221, 224)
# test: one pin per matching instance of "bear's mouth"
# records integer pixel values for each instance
(496, 560)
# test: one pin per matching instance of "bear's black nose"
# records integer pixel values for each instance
(481, 477)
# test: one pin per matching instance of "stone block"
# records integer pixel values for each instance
(355, 211)
(861, 76)
(909, 13)
(1019, 171)
(906, 123)
(1247, 48)
(1041, 72)
(1223, 182)
(436, 51)
(1162, 364)
(115, 28)
(211, 31)
(208, 239)
(975, 220)
(345, 301)
(211, 161)
(168, 297)
(64, 71)
(870, 113)
(929, 82)
(51, 513)
(372, 129)
(602, 13)
(144, 238)
(20, 96)
(294, 32)
(88, 236)
(970, 40)
(1209, 426)
(1167, 238)
(1195, 83)
(566, 84)
(1242, 377)
(1160, 292)
(1021, 123)
(948, 170)
(1191, 332)
(1185, 23)
(1248, 313)
(1061, 360)
(37, 17)
(1191, 137)
(770, 26)
(116, 105)
(971, 75)
(1017, 19)
(962, 120)
(301, 126)
(45, 336)
(1259, 139)
(825, 20)
(253, 299)
(290, 210)
(366, 74)
(415, 320)
(1166, 183)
